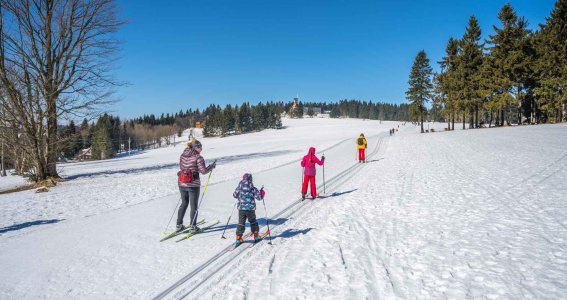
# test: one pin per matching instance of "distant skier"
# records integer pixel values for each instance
(361, 142)
(191, 163)
(308, 163)
(247, 194)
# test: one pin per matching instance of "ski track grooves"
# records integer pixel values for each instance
(191, 282)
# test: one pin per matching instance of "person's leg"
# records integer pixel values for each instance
(183, 207)
(363, 155)
(194, 201)
(304, 186)
(253, 222)
(241, 223)
(313, 186)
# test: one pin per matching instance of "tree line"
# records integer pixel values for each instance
(248, 118)
(515, 76)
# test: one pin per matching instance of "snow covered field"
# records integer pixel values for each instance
(464, 214)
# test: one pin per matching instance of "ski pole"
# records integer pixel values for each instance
(267, 222)
(202, 196)
(225, 227)
(324, 185)
(165, 230)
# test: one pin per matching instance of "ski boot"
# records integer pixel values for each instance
(180, 227)
(238, 240)
(302, 196)
(257, 237)
(195, 228)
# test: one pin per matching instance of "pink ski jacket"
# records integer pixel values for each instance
(191, 160)
(309, 161)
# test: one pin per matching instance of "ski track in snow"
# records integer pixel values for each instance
(217, 265)
(477, 234)
(460, 215)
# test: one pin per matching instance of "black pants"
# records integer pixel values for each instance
(251, 216)
(188, 195)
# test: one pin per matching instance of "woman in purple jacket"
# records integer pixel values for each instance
(191, 163)
(308, 163)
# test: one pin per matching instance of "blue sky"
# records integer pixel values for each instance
(187, 54)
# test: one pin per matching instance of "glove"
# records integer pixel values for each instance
(262, 193)
(323, 157)
(214, 165)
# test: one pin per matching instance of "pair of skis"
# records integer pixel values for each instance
(188, 233)
(252, 242)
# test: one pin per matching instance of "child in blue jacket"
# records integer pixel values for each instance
(247, 195)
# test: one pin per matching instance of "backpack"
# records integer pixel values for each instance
(185, 176)
(360, 141)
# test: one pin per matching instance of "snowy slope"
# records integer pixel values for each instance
(11, 181)
(462, 214)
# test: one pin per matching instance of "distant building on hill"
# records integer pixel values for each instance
(85, 154)
(316, 111)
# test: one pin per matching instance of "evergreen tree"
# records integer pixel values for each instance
(335, 112)
(381, 115)
(551, 64)
(85, 134)
(299, 110)
(244, 118)
(214, 122)
(448, 85)
(310, 112)
(228, 120)
(511, 57)
(470, 61)
(420, 86)
(102, 143)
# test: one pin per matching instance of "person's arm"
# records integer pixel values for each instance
(236, 193)
(303, 162)
(257, 193)
(201, 166)
(316, 160)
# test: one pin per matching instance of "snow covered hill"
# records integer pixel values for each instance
(464, 214)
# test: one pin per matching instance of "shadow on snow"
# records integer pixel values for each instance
(223, 159)
(336, 194)
(28, 224)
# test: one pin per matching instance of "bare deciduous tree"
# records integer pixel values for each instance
(55, 61)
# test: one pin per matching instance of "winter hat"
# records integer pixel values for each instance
(247, 177)
(194, 143)
(362, 134)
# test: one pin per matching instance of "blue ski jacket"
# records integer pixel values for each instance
(247, 193)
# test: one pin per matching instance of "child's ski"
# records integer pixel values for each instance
(262, 237)
(248, 241)
(176, 233)
(190, 234)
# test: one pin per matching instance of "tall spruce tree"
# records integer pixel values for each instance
(228, 120)
(102, 142)
(510, 54)
(470, 61)
(244, 118)
(551, 64)
(448, 81)
(420, 86)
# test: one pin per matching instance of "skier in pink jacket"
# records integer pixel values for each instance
(308, 163)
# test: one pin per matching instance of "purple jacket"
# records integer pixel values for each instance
(309, 161)
(194, 162)
(247, 193)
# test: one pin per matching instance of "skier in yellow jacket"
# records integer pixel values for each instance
(361, 142)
